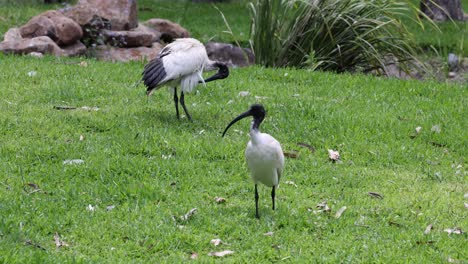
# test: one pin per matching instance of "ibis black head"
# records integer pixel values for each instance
(257, 111)
(223, 72)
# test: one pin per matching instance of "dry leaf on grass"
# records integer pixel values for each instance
(83, 64)
(333, 155)
(110, 207)
(455, 230)
(323, 207)
(268, 234)
(466, 205)
(190, 213)
(91, 208)
(221, 253)
(312, 149)
(375, 195)
(73, 161)
(291, 154)
(291, 183)
(217, 241)
(428, 229)
(194, 255)
(59, 242)
(340, 212)
(244, 93)
(220, 199)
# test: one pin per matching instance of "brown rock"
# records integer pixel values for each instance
(122, 14)
(168, 30)
(76, 49)
(42, 44)
(232, 55)
(55, 25)
(133, 38)
(13, 34)
(115, 54)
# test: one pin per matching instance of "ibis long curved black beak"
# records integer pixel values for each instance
(223, 72)
(241, 116)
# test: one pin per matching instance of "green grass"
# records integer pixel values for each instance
(128, 141)
(151, 166)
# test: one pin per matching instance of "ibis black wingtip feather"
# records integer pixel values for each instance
(154, 73)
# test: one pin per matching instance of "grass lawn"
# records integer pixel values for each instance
(142, 169)
(139, 158)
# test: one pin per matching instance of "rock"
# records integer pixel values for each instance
(13, 34)
(453, 62)
(75, 49)
(109, 53)
(232, 55)
(122, 14)
(156, 34)
(133, 38)
(42, 44)
(55, 25)
(168, 30)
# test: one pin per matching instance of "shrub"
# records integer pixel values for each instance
(336, 35)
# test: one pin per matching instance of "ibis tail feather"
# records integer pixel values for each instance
(154, 73)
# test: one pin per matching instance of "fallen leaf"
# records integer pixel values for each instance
(59, 107)
(88, 108)
(73, 161)
(59, 242)
(194, 255)
(220, 199)
(221, 253)
(260, 97)
(375, 195)
(91, 208)
(428, 229)
(201, 132)
(455, 230)
(465, 196)
(418, 129)
(230, 102)
(81, 137)
(83, 64)
(466, 205)
(291, 183)
(435, 129)
(110, 207)
(306, 146)
(32, 73)
(340, 212)
(268, 234)
(333, 155)
(36, 54)
(244, 93)
(217, 241)
(33, 185)
(31, 243)
(189, 214)
(323, 207)
(292, 154)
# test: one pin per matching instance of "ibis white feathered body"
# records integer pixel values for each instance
(265, 158)
(181, 63)
(264, 155)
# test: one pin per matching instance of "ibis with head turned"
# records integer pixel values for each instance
(264, 155)
(181, 62)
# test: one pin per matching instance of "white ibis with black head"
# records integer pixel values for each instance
(264, 155)
(181, 62)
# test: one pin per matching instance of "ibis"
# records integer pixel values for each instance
(264, 155)
(181, 62)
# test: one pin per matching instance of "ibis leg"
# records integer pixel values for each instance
(182, 102)
(256, 202)
(176, 101)
(273, 197)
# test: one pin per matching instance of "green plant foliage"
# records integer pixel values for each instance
(332, 35)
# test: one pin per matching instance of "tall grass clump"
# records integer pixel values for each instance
(335, 35)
